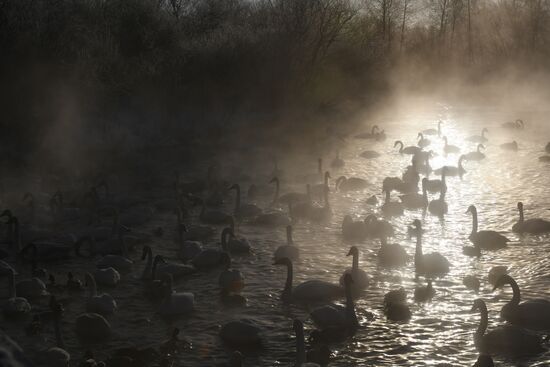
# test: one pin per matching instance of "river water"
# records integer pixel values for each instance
(440, 333)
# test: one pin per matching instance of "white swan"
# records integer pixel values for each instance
(514, 125)
(424, 294)
(407, 150)
(175, 270)
(476, 155)
(241, 333)
(119, 262)
(479, 138)
(237, 245)
(176, 303)
(107, 276)
(321, 213)
(244, 210)
(103, 304)
(508, 340)
(189, 249)
(430, 265)
(395, 305)
(533, 314)
(32, 288)
(211, 257)
(288, 198)
(439, 207)
(56, 356)
(192, 233)
(533, 225)
(310, 291)
(391, 255)
(378, 228)
(337, 317)
(212, 216)
(360, 277)
(433, 131)
(369, 154)
(486, 240)
(289, 250)
(452, 171)
(230, 280)
(450, 149)
(422, 141)
(92, 327)
(391, 208)
(15, 306)
(344, 183)
(368, 135)
(513, 146)
(318, 190)
(337, 162)
(353, 230)
(301, 356)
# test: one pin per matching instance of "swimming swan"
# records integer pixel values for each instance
(486, 240)
(533, 225)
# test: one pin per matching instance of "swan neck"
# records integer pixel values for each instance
(300, 347)
(289, 240)
(517, 294)
(92, 286)
(149, 265)
(474, 222)
(483, 322)
(288, 284)
(521, 217)
(58, 333)
(355, 265)
(418, 252)
(238, 199)
(387, 196)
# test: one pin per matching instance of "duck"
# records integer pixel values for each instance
(107, 276)
(479, 138)
(395, 305)
(486, 240)
(507, 340)
(514, 125)
(230, 280)
(513, 146)
(310, 291)
(451, 171)
(290, 250)
(175, 303)
(369, 154)
(121, 263)
(103, 304)
(345, 184)
(450, 149)
(533, 314)
(353, 230)
(424, 294)
(210, 258)
(391, 255)
(422, 141)
(406, 150)
(391, 208)
(15, 306)
(337, 162)
(301, 356)
(476, 155)
(532, 226)
(471, 282)
(336, 317)
(433, 131)
(378, 228)
(92, 327)
(360, 277)
(244, 210)
(241, 333)
(430, 265)
(439, 207)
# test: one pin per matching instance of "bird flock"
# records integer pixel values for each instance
(105, 229)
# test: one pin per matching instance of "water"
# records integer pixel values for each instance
(440, 333)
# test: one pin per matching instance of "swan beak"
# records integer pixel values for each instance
(349, 253)
(474, 308)
(495, 288)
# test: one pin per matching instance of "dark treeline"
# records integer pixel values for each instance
(190, 67)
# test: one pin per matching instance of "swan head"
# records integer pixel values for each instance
(484, 130)
(327, 174)
(397, 142)
(353, 251)
(520, 205)
(478, 305)
(274, 179)
(502, 280)
(145, 251)
(471, 210)
(283, 261)
(417, 224)
(234, 187)
(370, 218)
(298, 326)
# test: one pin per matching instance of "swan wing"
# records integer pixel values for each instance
(317, 291)
(329, 316)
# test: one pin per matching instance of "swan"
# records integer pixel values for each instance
(154, 288)
(515, 125)
(231, 300)
(533, 225)
(337, 317)
(337, 162)
(484, 360)
(107, 276)
(230, 280)
(92, 327)
(391, 208)
(244, 210)
(289, 250)
(360, 278)
(378, 228)
(368, 135)
(380, 136)
(435, 186)
(6, 269)
(192, 233)
(188, 250)
(103, 304)
(439, 207)
(533, 314)
(273, 219)
(321, 213)
(288, 198)
(471, 282)
(395, 305)
(237, 245)
(175, 303)
(344, 183)
(391, 255)
(479, 138)
(175, 270)
(241, 333)
(452, 171)
(495, 273)
(15, 306)
(424, 294)
(430, 265)
(32, 288)
(353, 230)
(450, 149)
(310, 291)
(433, 131)
(406, 150)
(476, 155)
(312, 177)
(415, 200)
(486, 240)
(56, 356)
(513, 146)
(119, 262)
(544, 158)
(211, 257)
(318, 190)
(301, 356)
(212, 216)
(73, 284)
(422, 141)
(509, 340)
(369, 154)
